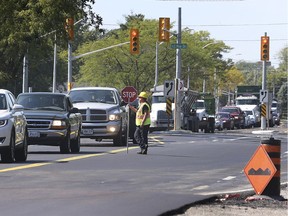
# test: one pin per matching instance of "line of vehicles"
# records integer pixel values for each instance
(58, 119)
(198, 114)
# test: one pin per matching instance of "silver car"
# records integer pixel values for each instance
(13, 129)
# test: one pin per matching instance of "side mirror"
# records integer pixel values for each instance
(74, 110)
(17, 107)
(123, 103)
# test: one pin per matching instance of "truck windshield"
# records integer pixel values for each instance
(247, 102)
(42, 101)
(198, 105)
(102, 96)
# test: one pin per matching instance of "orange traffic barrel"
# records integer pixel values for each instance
(273, 149)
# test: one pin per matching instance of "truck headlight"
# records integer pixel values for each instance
(3, 122)
(204, 118)
(58, 124)
(114, 117)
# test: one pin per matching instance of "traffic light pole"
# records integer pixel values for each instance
(264, 87)
(177, 110)
(69, 66)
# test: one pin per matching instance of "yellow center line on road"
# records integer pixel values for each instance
(29, 166)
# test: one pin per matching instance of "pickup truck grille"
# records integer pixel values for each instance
(93, 115)
(38, 124)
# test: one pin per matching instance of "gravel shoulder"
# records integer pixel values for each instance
(244, 204)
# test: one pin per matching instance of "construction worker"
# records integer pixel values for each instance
(142, 122)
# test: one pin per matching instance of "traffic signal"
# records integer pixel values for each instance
(164, 27)
(70, 28)
(264, 48)
(134, 41)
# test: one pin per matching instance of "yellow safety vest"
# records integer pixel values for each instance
(140, 115)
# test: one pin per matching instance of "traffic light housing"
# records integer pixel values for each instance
(70, 28)
(134, 41)
(264, 48)
(164, 27)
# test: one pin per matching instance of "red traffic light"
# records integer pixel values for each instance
(265, 48)
(134, 41)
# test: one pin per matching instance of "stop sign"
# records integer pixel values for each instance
(129, 94)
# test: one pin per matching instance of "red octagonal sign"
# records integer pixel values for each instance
(129, 94)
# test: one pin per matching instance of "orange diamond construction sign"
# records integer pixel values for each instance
(260, 170)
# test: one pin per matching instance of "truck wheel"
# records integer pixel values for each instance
(65, 146)
(124, 139)
(8, 155)
(75, 144)
(117, 141)
(21, 154)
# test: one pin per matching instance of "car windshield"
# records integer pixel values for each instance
(230, 110)
(41, 101)
(3, 104)
(223, 115)
(102, 96)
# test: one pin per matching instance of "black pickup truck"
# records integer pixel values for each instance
(52, 120)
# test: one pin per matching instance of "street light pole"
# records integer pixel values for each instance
(156, 66)
(54, 65)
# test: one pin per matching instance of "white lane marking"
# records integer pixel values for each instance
(229, 178)
(200, 187)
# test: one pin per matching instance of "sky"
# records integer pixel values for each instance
(238, 23)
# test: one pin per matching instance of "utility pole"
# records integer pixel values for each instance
(25, 73)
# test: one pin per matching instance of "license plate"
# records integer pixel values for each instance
(33, 134)
(87, 131)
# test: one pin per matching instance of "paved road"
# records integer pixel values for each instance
(180, 168)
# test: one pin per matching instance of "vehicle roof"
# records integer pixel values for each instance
(222, 113)
(4, 91)
(231, 107)
(93, 88)
(246, 97)
(42, 93)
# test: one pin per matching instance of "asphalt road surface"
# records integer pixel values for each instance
(103, 180)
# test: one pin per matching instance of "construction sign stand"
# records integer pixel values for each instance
(263, 169)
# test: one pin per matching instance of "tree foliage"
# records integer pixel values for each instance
(24, 27)
(118, 68)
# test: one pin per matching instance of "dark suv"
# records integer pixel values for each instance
(237, 114)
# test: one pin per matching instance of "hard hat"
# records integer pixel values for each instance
(143, 95)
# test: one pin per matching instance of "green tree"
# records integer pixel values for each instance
(23, 25)
(117, 67)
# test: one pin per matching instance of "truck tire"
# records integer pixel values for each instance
(21, 153)
(75, 144)
(65, 145)
(124, 138)
(117, 140)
